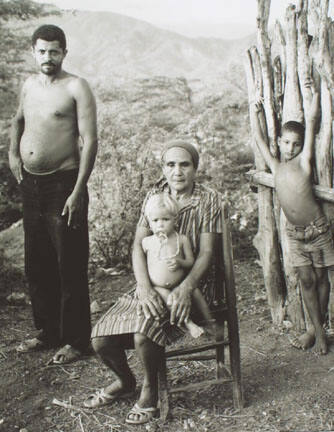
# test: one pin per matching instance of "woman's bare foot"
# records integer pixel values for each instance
(320, 345)
(109, 395)
(117, 387)
(146, 407)
(305, 341)
(148, 396)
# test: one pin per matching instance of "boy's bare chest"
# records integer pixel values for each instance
(290, 177)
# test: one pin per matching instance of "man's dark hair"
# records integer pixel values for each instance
(296, 127)
(49, 32)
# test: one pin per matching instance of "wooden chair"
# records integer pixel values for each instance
(225, 312)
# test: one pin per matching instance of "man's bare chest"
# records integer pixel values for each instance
(48, 103)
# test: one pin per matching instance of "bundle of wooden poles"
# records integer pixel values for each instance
(285, 57)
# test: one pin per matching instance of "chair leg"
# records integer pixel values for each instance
(234, 348)
(220, 357)
(163, 390)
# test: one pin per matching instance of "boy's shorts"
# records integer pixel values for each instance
(312, 244)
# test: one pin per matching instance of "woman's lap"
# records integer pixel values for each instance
(122, 319)
(123, 341)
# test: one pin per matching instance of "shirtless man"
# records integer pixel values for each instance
(52, 153)
(308, 232)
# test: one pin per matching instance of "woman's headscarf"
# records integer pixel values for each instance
(186, 146)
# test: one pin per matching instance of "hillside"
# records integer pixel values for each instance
(152, 85)
(108, 47)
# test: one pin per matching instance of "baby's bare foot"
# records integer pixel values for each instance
(320, 346)
(304, 341)
(195, 330)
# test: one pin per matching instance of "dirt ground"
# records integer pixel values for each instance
(285, 389)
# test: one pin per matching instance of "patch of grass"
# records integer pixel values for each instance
(10, 277)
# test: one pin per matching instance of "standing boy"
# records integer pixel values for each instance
(308, 231)
(56, 113)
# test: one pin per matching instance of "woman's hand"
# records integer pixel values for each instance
(179, 302)
(150, 303)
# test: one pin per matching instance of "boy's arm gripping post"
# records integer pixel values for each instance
(271, 161)
(310, 123)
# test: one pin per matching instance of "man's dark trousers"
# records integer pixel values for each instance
(56, 260)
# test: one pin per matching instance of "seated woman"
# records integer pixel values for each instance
(137, 320)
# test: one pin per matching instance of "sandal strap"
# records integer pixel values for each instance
(136, 409)
(101, 396)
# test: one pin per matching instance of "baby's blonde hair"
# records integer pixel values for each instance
(161, 200)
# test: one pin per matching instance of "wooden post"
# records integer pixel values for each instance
(266, 240)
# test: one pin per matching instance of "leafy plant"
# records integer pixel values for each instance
(131, 139)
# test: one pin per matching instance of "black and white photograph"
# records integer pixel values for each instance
(167, 215)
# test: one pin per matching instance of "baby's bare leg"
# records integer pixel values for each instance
(164, 293)
(193, 328)
(211, 326)
(201, 304)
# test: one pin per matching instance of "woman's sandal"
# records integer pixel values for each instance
(101, 398)
(140, 415)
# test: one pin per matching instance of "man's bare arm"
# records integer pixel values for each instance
(86, 119)
(151, 303)
(180, 298)
(270, 160)
(17, 129)
(311, 117)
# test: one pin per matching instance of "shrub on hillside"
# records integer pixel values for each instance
(10, 198)
(124, 171)
(127, 163)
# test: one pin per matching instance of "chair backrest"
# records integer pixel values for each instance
(224, 268)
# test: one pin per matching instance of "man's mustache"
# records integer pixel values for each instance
(48, 64)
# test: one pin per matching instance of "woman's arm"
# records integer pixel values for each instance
(150, 303)
(179, 299)
(187, 262)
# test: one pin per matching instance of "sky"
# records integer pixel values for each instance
(227, 19)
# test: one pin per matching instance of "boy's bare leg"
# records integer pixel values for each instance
(323, 287)
(315, 335)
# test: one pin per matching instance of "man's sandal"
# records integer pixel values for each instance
(101, 398)
(66, 354)
(138, 415)
(30, 345)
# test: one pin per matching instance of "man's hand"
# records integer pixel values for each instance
(73, 208)
(150, 303)
(15, 165)
(179, 302)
